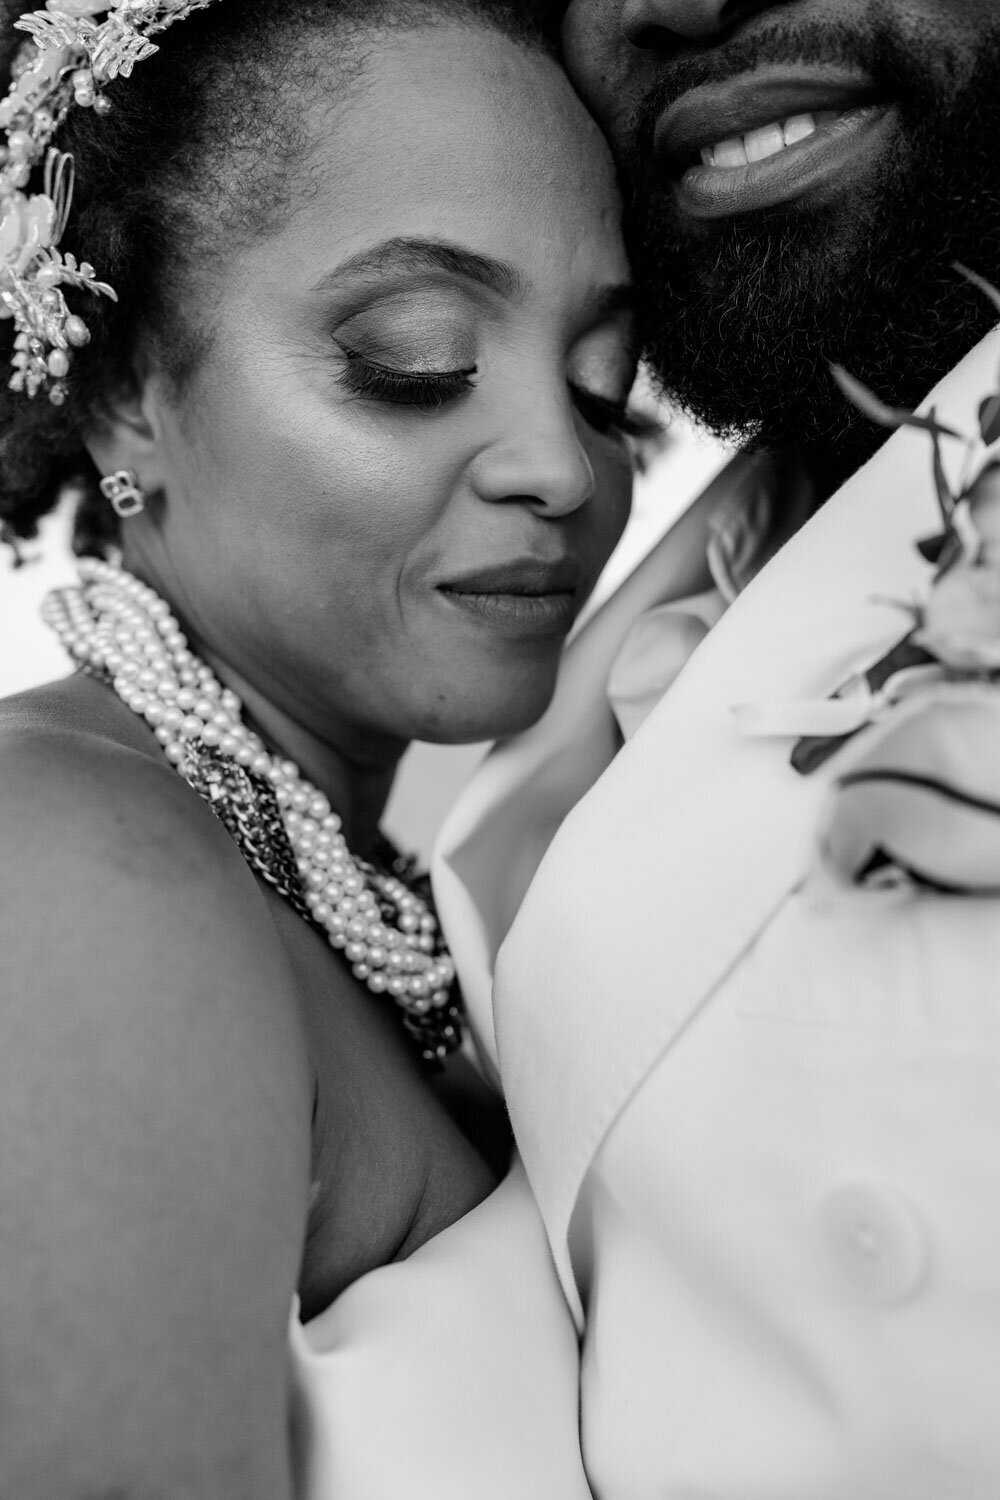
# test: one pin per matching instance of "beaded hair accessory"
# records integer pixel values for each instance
(68, 59)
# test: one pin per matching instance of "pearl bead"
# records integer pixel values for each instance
(20, 145)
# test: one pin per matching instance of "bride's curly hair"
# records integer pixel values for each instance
(201, 150)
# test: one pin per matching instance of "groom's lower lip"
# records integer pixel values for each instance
(842, 150)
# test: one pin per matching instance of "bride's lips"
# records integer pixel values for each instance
(525, 597)
(771, 137)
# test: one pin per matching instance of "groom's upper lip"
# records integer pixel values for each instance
(726, 108)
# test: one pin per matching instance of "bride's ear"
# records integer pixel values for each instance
(127, 433)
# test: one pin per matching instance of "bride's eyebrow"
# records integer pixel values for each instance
(409, 254)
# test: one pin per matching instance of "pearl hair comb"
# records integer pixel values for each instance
(69, 58)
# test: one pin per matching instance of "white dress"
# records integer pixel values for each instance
(452, 1375)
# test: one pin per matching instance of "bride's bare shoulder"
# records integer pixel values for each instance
(75, 762)
(111, 864)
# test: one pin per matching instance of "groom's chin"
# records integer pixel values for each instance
(741, 320)
(742, 324)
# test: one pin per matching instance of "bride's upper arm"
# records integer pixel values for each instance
(154, 1139)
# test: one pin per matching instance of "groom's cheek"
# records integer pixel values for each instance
(595, 56)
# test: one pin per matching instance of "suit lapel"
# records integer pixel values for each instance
(664, 874)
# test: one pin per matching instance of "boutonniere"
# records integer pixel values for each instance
(914, 744)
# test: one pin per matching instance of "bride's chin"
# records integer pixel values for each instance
(491, 707)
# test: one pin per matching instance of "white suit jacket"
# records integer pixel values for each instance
(761, 1120)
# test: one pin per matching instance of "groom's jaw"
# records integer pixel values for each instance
(775, 135)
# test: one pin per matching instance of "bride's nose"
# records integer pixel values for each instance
(538, 460)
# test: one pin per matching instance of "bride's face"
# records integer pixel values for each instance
(397, 474)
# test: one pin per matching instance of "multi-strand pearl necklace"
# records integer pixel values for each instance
(118, 629)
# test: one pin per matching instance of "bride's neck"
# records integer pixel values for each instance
(354, 770)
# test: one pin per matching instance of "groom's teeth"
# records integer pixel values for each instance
(731, 153)
(799, 128)
(758, 145)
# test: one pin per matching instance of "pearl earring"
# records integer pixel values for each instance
(126, 494)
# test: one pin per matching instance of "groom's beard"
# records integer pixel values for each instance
(743, 319)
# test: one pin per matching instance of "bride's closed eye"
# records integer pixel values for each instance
(411, 350)
(600, 376)
(427, 389)
(607, 416)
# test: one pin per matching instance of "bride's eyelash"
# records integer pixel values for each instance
(426, 389)
(608, 416)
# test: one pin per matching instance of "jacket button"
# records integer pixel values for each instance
(876, 1240)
